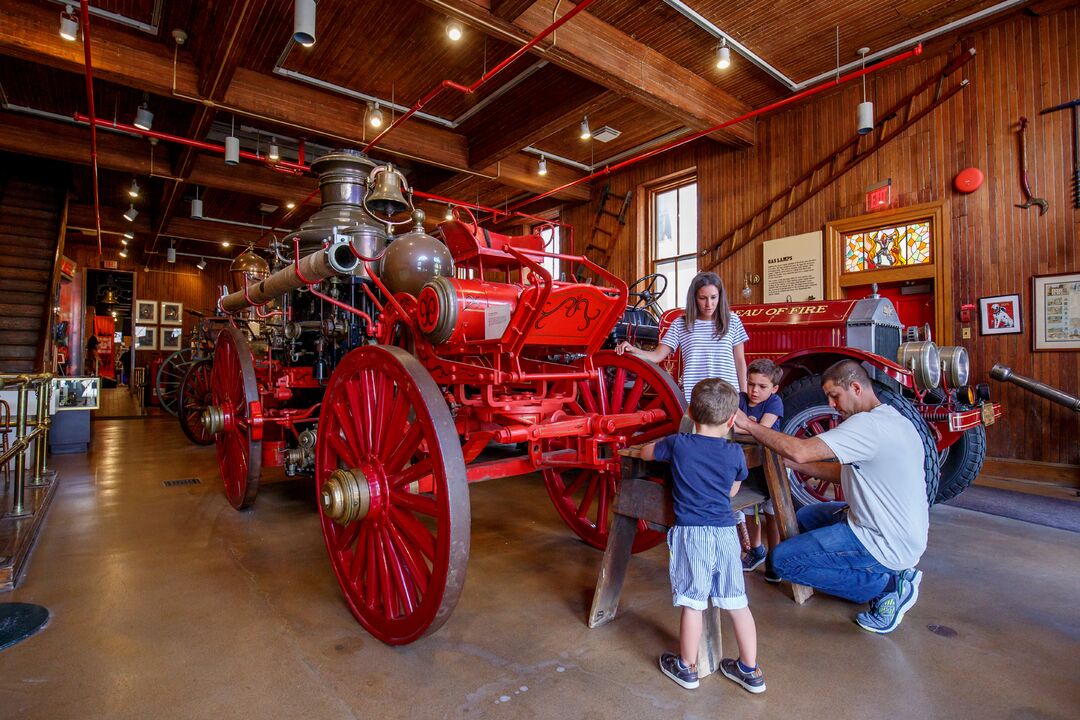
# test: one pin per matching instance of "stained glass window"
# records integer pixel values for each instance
(887, 247)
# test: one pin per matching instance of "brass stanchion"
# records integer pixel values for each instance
(42, 476)
(17, 508)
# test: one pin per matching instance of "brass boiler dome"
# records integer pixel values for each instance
(413, 259)
(343, 176)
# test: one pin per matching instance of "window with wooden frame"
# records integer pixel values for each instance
(552, 244)
(673, 236)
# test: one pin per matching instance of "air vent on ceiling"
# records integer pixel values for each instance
(606, 134)
(267, 208)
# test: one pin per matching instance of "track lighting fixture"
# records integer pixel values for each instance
(865, 112)
(290, 205)
(201, 264)
(304, 22)
(144, 119)
(375, 115)
(232, 146)
(123, 241)
(454, 31)
(170, 255)
(123, 252)
(723, 55)
(69, 24)
(196, 206)
(541, 166)
(274, 155)
(586, 131)
(129, 235)
(133, 191)
(131, 213)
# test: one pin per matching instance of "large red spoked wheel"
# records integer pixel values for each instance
(235, 396)
(583, 496)
(393, 493)
(195, 395)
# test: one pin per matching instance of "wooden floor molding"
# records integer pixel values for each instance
(17, 535)
(1038, 478)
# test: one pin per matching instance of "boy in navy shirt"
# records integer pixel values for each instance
(762, 405)
(706, 471)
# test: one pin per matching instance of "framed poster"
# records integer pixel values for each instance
(146, 312)
(171, 338)
(172, 313)
(1056, 310)
(1000, 315)
(145, 337)
(81, 393)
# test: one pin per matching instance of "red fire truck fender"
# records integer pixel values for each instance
(814, 361)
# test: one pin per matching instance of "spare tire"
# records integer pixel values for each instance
(962, 462)
(807, 413)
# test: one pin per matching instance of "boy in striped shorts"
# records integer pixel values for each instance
(706, 471)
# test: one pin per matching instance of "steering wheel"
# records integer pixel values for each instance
(644, 292)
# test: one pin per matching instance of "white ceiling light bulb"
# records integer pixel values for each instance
(304, 22)
(449, 212)
(454, 31)
(723, 55)
(586, 132)
(134, 190)
(375, 115)
(131, 214)
(224, 243)
(541, 166)
(274, 153)
(69, 24)
(290, 205)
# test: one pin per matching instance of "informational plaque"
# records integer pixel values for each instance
(793, 269)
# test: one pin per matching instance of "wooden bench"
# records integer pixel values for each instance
(639, 498)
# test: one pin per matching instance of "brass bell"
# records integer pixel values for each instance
(110, 297)
(385, 196)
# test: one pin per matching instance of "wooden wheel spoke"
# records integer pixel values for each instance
(590, 493)
(634, 396)
(420, 537)
(347, 536)
(418, 570)
(424, 504)
(414, 473)
(359, 553)
(618, 389)
(398, 413)
(569, 490)
(588, 398)
(404, 449)
(360, 407)
(371, 576)
(382, 569)
(345, 452)
(402, 583)
(345, 420)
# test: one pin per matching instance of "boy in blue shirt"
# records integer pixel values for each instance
(706, 471)
(762, 405)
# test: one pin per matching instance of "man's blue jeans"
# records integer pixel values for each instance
(827, 556)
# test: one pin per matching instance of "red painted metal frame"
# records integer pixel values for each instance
(84, 8)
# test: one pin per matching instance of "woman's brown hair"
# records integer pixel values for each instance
(723, 308)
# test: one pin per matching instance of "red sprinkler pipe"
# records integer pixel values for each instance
(282, 165)
(917, 50)
(435, 91)
(84, 7)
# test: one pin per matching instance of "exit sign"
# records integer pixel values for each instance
(109, 264)
(879, 196)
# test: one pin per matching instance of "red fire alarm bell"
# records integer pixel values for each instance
(965, 312)
(968, 180)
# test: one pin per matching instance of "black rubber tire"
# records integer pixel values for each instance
(805, 394)
(962, 464)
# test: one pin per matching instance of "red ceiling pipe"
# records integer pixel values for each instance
(282, 165)
(487, 76)
(917, 50)
(85, 10)
(474, 206)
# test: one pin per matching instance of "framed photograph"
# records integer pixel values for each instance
(146, 312)
(172, 313)
(145, 337)
(171, 338)
(81, 393)
(1000, 315)
(1056, 310)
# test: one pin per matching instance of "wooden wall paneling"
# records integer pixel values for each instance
(1023, 64)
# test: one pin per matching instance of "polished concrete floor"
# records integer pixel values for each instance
(167, 603)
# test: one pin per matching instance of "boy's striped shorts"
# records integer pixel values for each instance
(705, 563)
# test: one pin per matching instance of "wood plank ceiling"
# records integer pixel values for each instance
(639, 66)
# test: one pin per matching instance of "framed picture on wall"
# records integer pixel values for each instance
(146, 312)
(172, 313)
(145, 337)
(1000, 315)
(1056, 310)
(171, 338)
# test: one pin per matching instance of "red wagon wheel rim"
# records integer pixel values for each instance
(234, 391)
(811, 422)
(195, 395)
(386, 424)
(584, 497)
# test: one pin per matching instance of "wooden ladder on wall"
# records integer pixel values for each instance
(916, 105)
(607, 226)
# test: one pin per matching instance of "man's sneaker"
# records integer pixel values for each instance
(753, 559)
(886, 611)
(672, 666)
(770, 572)
(752, 681)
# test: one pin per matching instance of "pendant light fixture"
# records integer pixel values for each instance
(723, 55)
(304, 22)
(69, 24)
(133, 191)
(449, 212)
(541, 166)
(274, 153)
(144, 119)
(375, 115)
(170, 256)
(865, 111)
(232, 146)
(196, 206)
(586, 131)
(454, 31)
(129, 235)
(123, 254)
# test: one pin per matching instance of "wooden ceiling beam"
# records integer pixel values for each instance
(29, 32)
(597, 51)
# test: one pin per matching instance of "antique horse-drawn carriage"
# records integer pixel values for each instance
(437, 349)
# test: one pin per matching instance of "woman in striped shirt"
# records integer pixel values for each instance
(710, 337)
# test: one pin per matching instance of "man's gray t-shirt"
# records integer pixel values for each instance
(884, 483)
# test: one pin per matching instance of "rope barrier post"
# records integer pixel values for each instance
(17, 508)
